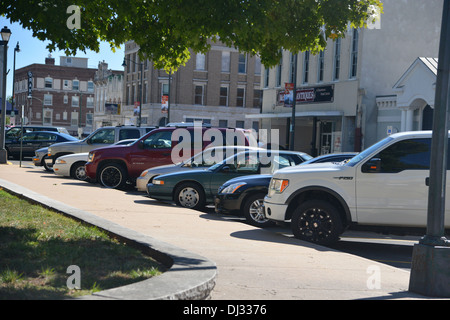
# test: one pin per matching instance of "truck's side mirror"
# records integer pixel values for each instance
(372, 166)
(141, 144)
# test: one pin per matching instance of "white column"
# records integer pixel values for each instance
(409, 119)
(403, 124)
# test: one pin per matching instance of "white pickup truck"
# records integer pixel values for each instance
(385, 185)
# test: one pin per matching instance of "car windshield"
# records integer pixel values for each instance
(356, 159)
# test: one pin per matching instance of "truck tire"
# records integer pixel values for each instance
(317, 221)
(112, 176)
(190, 195)
(253, 211)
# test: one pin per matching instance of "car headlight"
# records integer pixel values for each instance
(91, 156)
(232, 188)
(278, 185)
(159, 182)
(60, 161)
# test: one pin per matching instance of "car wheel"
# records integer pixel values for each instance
(47, 163)
(77, 171)
(112, 176)
(317, 221)
(190, 195)
(254, 211)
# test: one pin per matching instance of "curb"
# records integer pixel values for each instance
(189, 276)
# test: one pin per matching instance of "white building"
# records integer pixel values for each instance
(356, 91)
(108, 97)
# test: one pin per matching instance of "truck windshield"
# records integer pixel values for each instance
(356, 159)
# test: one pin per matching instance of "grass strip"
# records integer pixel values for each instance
(37, 246)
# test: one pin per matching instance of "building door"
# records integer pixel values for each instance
(326, 135)
(427, 118)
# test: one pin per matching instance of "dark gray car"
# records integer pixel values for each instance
(31, 141)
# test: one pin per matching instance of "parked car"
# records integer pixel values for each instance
(196, 188)
(40, 159)
(204, 159)
(244, 196)
(102, 137)
(114, 168)
(31, 141)
(72, 165)
(383, 187)
(15, 132)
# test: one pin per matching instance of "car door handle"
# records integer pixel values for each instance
(427, 181)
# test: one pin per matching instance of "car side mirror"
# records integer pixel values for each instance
(372, 166)
(88, 141)
(225, 169)
(141, 144)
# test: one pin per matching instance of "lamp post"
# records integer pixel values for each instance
(294, 103)
(16, 49)
(141, 67)
(32, 97)
(6, 34)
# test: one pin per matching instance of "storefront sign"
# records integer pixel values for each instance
(320, 94)
(112, 108)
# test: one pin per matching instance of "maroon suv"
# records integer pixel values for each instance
(115, 166)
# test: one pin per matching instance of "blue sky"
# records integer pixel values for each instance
(33, 50)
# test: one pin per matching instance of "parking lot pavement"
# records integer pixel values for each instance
(252, 263)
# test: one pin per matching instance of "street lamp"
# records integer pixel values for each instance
(16, 49)
(141, 66)
(6, 34)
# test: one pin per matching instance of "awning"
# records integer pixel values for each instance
(297, 114)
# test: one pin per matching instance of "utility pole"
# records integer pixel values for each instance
(430, 272)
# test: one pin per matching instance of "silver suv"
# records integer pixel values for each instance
(101, 137)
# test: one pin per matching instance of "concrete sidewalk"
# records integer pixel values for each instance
(234, 260)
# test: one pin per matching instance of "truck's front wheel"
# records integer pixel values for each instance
(317, 221)
(113, 176)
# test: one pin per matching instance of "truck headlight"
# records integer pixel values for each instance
(278, 185)
(232, 188)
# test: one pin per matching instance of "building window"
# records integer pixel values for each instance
(337, 59)
(292, 68)
(242, 63)
(74, 119)
(225, 61)
(240, 124)
(76, 85)
(90, 102)
(266, 77)
(90, 86)
(223, 99)
(66, 99)
(354, 55)
(75, 101)
(306, 67)
(48, 83)
(240, 97)
(66, 84)
(223, 123)
(48, 116)
(200, 61)
(257, 65)
(89, 119)
(279, 68)
(320, 66)
(257, 98)
(48, 99)
(198, 95)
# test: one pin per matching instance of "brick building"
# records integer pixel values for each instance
(219, 88)
(61, 95)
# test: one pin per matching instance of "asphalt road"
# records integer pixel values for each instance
(392, 250)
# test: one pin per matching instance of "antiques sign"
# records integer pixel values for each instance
(310, 95)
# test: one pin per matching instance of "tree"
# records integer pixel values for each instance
(165, 30)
